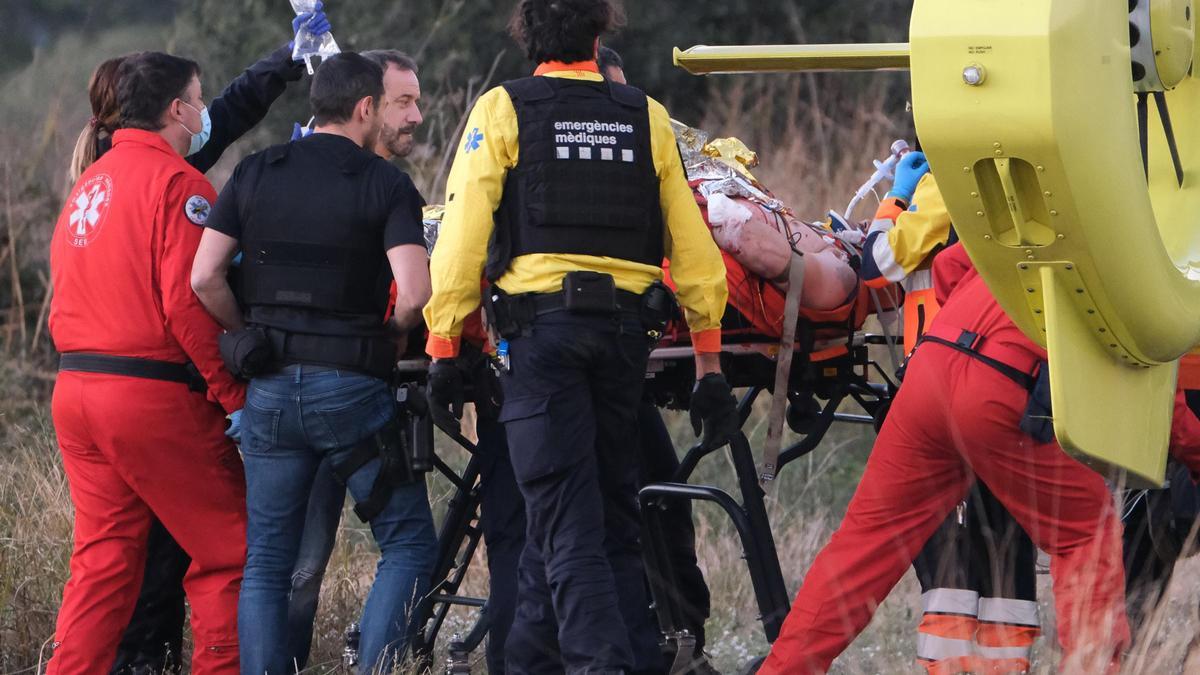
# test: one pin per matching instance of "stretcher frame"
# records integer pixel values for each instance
(670, 375)
(458, 539)
(835, 380)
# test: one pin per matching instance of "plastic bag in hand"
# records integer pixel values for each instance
(308, 45)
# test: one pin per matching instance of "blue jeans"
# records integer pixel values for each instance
(316, 546)
(294, 420)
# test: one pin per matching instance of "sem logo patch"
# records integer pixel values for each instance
(197, 209)
(90, 206)
(474, 140)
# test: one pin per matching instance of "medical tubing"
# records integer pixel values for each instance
(887, 334)
(883, 171)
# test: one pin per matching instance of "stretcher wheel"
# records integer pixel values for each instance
(752, 666)
(803, 412)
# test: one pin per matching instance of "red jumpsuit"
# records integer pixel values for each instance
(955, 419)
(121, 259)
(1185, 436)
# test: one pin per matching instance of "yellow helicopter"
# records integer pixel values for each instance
(1065, 135)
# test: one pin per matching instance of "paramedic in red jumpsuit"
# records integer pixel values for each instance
(955, 419)
(143, 443)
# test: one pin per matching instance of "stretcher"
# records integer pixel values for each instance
(827, 375)
(817, 390)
(458, 539)
(814, 358)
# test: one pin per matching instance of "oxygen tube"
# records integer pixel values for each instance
(884, 170)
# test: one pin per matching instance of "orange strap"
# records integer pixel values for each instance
(827, 354)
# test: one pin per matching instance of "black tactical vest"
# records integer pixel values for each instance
(313, 257)
(585, 181)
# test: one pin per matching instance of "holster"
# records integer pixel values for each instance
(508, 315)
(390, 446)
(413, 410)
(482, 383)
(659, 308)
(247, 353)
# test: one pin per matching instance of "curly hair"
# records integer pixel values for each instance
(563, 30)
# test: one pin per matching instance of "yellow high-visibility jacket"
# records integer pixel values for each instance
(487, 151)
(900, 248)
(901, 242)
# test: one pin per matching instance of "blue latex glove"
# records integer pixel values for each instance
(316, 21)
(908, 173)
(299, 132)
(234, 432)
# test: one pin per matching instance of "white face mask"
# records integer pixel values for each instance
(199, 138)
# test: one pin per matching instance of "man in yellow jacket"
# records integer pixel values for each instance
(566, 194)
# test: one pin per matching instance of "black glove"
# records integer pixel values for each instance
(446, 393)
(714, 409)
(484, 384)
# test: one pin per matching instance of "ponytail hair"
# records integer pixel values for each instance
(106, 115)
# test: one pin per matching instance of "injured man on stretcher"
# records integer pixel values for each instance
(760, 238)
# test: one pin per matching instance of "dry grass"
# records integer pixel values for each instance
(35, 526)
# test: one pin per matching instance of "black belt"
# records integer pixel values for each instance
(374, 356)
(129, 366)
(971, 344)
(548, 303)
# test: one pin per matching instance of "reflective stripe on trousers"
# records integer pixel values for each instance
(962, 632)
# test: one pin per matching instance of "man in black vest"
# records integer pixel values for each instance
(401, 114)
(325, 225)
(568, 191)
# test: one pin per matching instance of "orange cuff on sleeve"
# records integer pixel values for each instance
(706, 341)
(877, 282)
(890, 209)
(441, 348)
